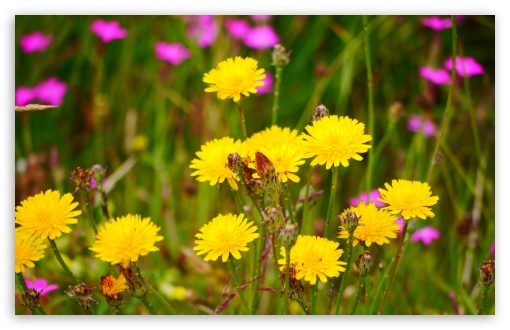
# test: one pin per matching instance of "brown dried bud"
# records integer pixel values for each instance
(136, 288)
(364, 263)
(487, 272)
(31, 299)
(320, 112)
(281, 56)
(82, 177)
(82, 294)
(296, 289)
(267, 172)
(235, 163)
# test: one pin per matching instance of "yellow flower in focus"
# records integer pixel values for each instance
(123, 240)
(375, 225)
(333, 140)
(273, 135)
(111, 286)
(27, 250)
(235, 77)
(46, 215)
(225, 235)
(411, 198)
(211, 164)
(314, 256)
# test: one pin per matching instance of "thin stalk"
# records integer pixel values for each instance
(275, 254)
(344, 275)
(304, 223)
(236, 282)
(370, 107)
(60, 260)
(332, 195)
(286, 194)
(287, 270)
(243, 123)
(253, 274)
(367, 294)
(277, 79)
(304, 307)
(166, 305)
(148, 305)
(89, 210)
(24, 288)
(393, 267)
(313, 297)
(358, 294)
(238, 201)
(485, 297)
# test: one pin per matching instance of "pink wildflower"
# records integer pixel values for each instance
(41, 284)
(426, 235)
(237, 28)
(51, 91)
(261, 37)
(437, 23)
(416, 124)
(493, 248)
(35, 42)
(203, 29)
(268, 87)
(24, 95)
(438, 76)
(108, 30)
(400, 223)
(466, 67)
(374, 194)
(174, 53)
(261, 18)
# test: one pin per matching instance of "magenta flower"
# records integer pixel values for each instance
(268, 86)
(51, 91)
(426, 235)
(493, 248)
(35, 42)
(237, 28)
(24, 95)
(261, 37)
(374, 194)
(466, 67)
(416, 124)
(41, 284)
(108, 30)
(174, 53)
(436, 23)
(400, 223)
(203, 29)
(438, 76)
(261, 18)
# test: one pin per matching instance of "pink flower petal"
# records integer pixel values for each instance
(465, 67)
(437, 76)
(427, 127)
(41, 285)
(426, 235)
(374, 194)
(268, 87)
(24, 95)
(261, 18)
(400, 223)
(108, 30)
(237, 28)
(51, 91)
(173, 53)
(35, 42)
(203, 29)
(436, 23)
(261, 37)
(493, 248)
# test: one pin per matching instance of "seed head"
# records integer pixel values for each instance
(281, 56)
(82, 294)
(82, 177)
(31, 299)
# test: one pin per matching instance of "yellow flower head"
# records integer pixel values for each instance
(223, 236)
(234, 77)
(111, 286)
(334, 140)
(375, 225)
(46, 215)
(27, 250)
(123, 240)
(273, 135)
(211, 164)
(411, 198)
(314, 256)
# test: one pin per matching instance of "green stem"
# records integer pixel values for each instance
(275, 254)
(370, 107)
(236, 282)
(332, 196)
(367, 295)
(304, 223)
(287, 270)
(286, 194)
(358, 294)
(313, 298)
(60, 260)
(305, 308)
(344, 275)
(166, 305)
(148, 305)
(393, 267)
(27, 139)
(24, 288)
(277, 79)
(238, 201)
(485, 297)
(243, 123)
(89, 210)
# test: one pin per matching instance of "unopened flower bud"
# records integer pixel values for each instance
(289, 234)
(267, 172)
(82, 177)
(320, 111)
(349, 220)
(395, 111)
(281, 56)
(487, 272)
(271, 218)
(82, 294)
(235, 163)
(31, 298)
(99, 172)
(364, 263)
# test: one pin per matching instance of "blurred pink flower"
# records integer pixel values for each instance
(35, 42)
(493, 248)
(416, 124)
(41, 284)
(261, 18)
(174, 53)
(268, 87)
(466, 67)
(108, 30)
(51, 91)
(203, 29)
(426, 235)
(374, 194)
(437, 23)
(261, 37)
(438, 76)
(400, 223)
(237, 28)
(24, 95)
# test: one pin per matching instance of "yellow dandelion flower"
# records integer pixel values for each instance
(411, 198)
(46, 215)
(375, 225)
(334, 140)
(273, 135)
(225, 235)
(211, 164)
(314, 256)
(27, 250)
(123, 240)
(234, 77)
(111, 286)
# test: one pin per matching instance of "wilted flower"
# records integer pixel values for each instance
(31, 298)
(487, 272)
(437, 76)
(466, 67)
(82, 294)
(426, 235)
(416, 123)
(112, 288)
(174, 53)
(35, 42)
(108, 30)
(261, 37)
(83, 178)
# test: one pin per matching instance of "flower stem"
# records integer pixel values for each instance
(277, 79)
(367, 295)
(89, 210)
(24, 288)
(60, 260)
(243, 123)
(233, 270)
(286, 194)
(166, 305)
(358, 294)
(287, 270)
(344, 275)
(304, 223)
(313, 298)
(275, 254)
(332, 196)
(238, 201)
(148, 305)
(393, 267)
(370, 107)
(485, 297)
